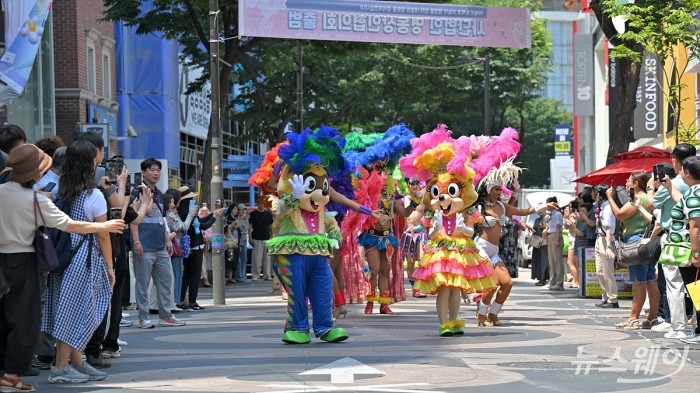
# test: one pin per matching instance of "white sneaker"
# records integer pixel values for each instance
(692, 339)
(146, 324)
(172, 321)
(91, 372)
(663, 327)
(122, 343)
(676, 334)
(67, 374)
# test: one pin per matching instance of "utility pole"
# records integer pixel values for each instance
(300, 88)
(217, 181)
(487, 95)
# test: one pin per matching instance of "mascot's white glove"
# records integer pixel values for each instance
(297, 182)
(461, 227)
(335, 244)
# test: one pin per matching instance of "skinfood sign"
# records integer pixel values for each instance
(647, 115)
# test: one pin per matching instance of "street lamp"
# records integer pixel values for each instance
(487, 88)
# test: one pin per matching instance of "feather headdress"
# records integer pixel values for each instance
(437, 152)
(499, 150)
(321, 147)
(368, 149)
(500, 175)
(263, 174)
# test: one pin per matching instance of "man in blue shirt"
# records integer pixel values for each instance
(152, 250)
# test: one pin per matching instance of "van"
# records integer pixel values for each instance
(532, 197)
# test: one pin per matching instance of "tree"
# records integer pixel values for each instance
(668, 29)
(629, 66)
(345, 84)
(187, 22)
(538, 116)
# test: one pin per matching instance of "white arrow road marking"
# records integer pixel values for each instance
(389, 388)
(344, 370)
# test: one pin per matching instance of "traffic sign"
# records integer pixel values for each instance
(235, 184)
(238, 177)
(235, 166)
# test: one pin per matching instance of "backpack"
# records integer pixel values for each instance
(62, 242)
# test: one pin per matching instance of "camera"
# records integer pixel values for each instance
(574, 206)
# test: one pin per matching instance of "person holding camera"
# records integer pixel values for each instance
(555, 245)
(643, 275)
(670, 280)
(605, 250)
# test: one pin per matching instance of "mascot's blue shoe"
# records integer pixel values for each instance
(294, 337)
(335, 335)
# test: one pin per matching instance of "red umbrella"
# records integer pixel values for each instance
(644, 152)
(618, 173)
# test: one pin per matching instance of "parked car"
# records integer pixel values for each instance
(533, 197)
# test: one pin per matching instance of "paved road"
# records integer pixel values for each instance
(551, 341)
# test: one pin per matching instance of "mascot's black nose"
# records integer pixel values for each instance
(441, 198)
(325, 192)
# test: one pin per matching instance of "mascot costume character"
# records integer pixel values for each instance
(306, 233)
(451, 264)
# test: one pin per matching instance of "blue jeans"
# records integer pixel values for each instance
(177, 277)
(242, 262)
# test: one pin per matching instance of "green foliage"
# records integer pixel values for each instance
(372, 86)
(689, 134)
(349, 85)
(538, 118)
(665, 28)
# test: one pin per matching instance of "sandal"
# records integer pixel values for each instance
(11, 384)
(629, 324)
(649, 324)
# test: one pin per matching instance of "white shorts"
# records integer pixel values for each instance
(488, 250)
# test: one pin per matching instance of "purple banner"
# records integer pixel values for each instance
(381, 21)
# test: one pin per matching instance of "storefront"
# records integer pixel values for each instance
(34, 109)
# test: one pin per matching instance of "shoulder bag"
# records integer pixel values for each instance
(46, 258)
(535, 241)
(177, 250)
(650, 249)
(675, 254)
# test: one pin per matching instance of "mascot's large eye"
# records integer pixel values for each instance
(435, 191)
(453, 190)
(309, 184)
(325, 185)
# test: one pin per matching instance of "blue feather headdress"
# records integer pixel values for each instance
(390, 146)
(323, 147)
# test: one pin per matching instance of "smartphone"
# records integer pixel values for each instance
(217, 205)
(574, 206)
(115, 213)
(655, 172)
(192, 203)
(631, 194)
(49, 186)
(127, 186)
(111, 171)
(138, 179)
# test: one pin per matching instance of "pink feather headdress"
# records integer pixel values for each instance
(437, 152)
